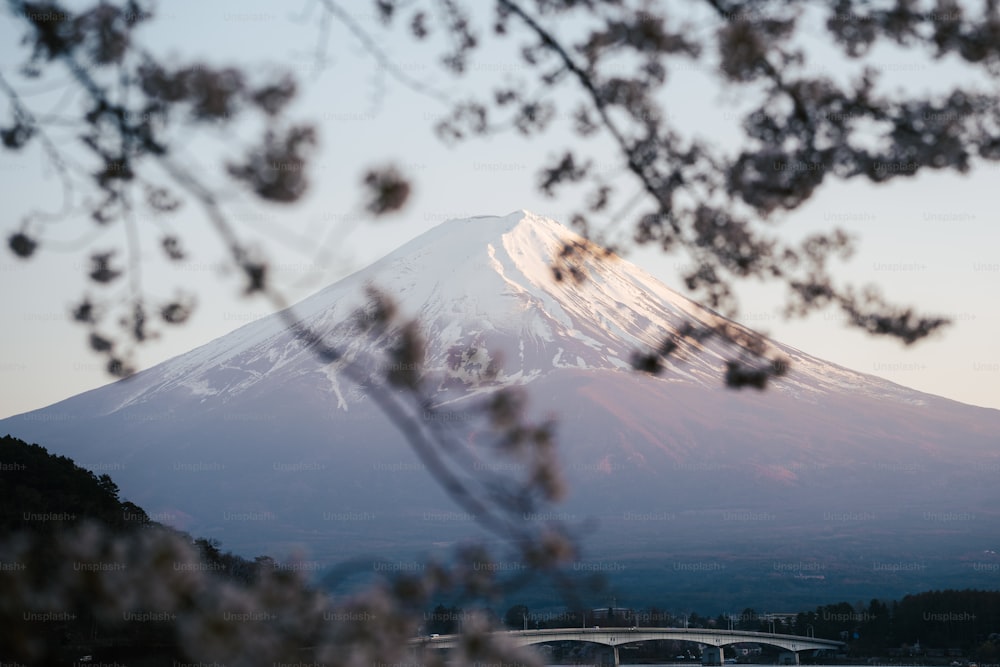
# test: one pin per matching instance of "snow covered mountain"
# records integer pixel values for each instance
(483, 283)
(250, 439)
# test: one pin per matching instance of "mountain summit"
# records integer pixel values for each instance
(251, 439)
(485, 284)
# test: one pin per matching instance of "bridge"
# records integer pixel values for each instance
(615, 637)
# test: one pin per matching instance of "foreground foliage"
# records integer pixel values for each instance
(78, 580)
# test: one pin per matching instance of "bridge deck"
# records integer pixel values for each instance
(619, 636)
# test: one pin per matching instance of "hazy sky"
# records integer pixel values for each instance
(930, 241)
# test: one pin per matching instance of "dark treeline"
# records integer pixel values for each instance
(966, 621)
(948, 623)
(42, 493)
(45, 500)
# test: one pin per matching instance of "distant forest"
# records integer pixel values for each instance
(955, 623)
(42, 498)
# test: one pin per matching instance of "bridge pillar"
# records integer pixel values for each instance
(712, 655)
(788, 658)
(615, 660)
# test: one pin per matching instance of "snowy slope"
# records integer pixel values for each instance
(487, 283)
(252, 422)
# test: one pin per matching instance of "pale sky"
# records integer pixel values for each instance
(930, 241)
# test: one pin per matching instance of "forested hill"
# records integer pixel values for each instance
(105, 579)
(42, 492)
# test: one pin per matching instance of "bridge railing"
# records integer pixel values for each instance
(738, 635)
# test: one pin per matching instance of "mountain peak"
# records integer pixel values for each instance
(483, 283)
(480, 229)
(508, 221)
(275, 432)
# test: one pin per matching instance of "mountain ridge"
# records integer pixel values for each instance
(280, 435)
(323, 308)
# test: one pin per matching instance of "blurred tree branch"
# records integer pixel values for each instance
(694, 198)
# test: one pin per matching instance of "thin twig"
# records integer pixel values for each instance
(384, 61)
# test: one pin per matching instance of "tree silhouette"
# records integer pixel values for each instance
(515, 617)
